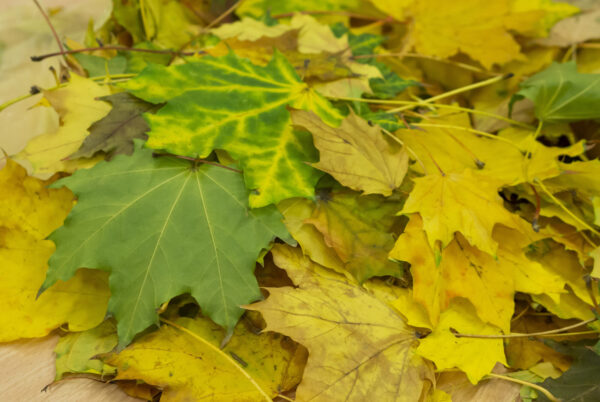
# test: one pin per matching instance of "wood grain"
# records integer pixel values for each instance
(27, 367)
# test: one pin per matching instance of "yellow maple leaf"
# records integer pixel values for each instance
(359, 348)
(448, 144)
(475, 357)
(28, 213)
(78, 109)
(356, 154)
(188, 364)
(464, 271)
(28, 206)
(534, 18)
(474, 27)
(465, 202)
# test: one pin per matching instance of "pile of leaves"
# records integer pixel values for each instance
(385, 200)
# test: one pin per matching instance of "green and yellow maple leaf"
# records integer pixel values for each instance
(229, 103)
(359, 229)
(77, 352)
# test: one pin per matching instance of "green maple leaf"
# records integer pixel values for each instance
(164, 227)
(115, 132)
(580, 382)
(229, 103)
(561, 94)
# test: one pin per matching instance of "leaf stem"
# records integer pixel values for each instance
(457, 91)
(529, 384)
(60, 45)
(423, 56)
(333, 12)
(520, 335)
(223, 16)
(436, 105)
(118, 48)
(470, 130)
(221, 353)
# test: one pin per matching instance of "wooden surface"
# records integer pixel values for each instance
(27, 366)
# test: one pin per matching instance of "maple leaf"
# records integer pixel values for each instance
(78, 108)
(358, 347)
(475, 357)
(166, 23)
(229, 103)
(464, 271)
(28, 213)
(561, 94)
(114, 133)
(76, 352)
(454, 149)
(574, 30)
(189, 365)
(578, 384)
(296, 211)
(356, 154)
(359, 229)
(201, 210)
(459, 202)
(474, 27)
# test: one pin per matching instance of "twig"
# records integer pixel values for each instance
(529, 384)
(470, 130)
(423, 56)
(332, 12)
(519, 335)
(222, 16)
(119, 48)
(60, 45)
(458, 91)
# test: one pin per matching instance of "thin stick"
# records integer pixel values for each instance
(60, 45)
(459, 90)
(519, 335)
(206, 162)
(564, 208)
(423, 56)
(529, 384)
(222, 16)
(470, 130)
(218, 351)
(119, 48)
(342, 13)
